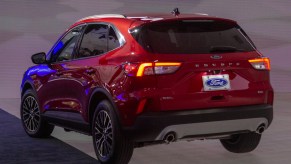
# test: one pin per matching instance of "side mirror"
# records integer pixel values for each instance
(39, 58)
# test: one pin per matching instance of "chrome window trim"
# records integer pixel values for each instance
(120, 37)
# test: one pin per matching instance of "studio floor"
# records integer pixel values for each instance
(71, 147)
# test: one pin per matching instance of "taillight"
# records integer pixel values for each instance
(261, 63)
(130, 69)
(166, 68)
(145, 69)
(158, 68)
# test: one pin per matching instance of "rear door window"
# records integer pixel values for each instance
(94, 41)
(113, 41)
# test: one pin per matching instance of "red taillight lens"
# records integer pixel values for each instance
(130, 69)
(261, 64)
(141, 106)
(158, 68)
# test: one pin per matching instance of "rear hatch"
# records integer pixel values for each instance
(216, 64)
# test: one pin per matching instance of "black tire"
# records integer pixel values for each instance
(31, 119)
(111, 146)
(242, 143)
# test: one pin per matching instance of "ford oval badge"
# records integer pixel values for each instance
(216, 57)
(216, 82)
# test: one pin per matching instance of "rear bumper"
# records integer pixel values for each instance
(206, 122)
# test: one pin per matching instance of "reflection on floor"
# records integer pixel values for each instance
(275, 146)
(17, 147)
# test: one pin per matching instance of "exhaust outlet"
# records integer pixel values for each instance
(170, 137)
(261, 129)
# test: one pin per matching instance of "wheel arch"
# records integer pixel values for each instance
(98, 95)
(27, 85)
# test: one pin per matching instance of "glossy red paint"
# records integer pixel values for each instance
(68, 85)
(139, 80)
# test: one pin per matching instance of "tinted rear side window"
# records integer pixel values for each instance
(191, 37)
(113, 41)
(94, 41)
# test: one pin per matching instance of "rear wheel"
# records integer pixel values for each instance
(111, 146)
(31, 119)
(242, 143)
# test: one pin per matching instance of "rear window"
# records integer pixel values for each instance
(191, 37)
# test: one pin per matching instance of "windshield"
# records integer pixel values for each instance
(191, 37)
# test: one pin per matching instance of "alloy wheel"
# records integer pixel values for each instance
(103, 134)
(31, 114)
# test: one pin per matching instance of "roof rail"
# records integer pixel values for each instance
(201, 14)
(103, 16)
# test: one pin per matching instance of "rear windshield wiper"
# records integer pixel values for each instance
(225, 49)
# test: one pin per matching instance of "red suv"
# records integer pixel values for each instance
(137, 80)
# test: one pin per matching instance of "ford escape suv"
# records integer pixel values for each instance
(136, 80)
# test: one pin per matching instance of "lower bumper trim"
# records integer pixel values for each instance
(215, 127)
(153, 126)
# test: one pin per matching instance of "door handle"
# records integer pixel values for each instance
(90, 71)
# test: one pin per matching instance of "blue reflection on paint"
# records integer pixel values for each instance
(121, 97)
(58, 47)
(41, 70)
(46, 107)
(87, 91)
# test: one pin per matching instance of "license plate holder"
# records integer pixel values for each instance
(216, 82)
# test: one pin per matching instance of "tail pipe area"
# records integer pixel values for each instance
(261, 129)
(170, 137)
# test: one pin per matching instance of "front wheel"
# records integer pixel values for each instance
(31, 119)
(242, 143)
(111, 146)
